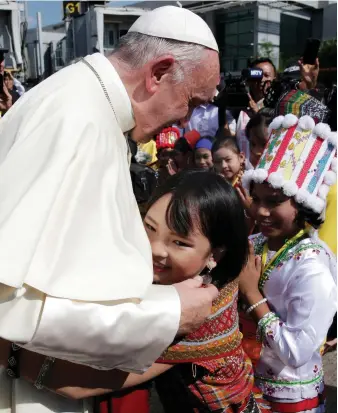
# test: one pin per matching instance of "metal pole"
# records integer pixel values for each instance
(74, 47)
(40, 45)
(26, 11)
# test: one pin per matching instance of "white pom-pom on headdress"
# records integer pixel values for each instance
(260, 175)
(323, 191)
(247, 178)
(306, 123)
(330, 178)
(276, 124)
(334, 164)
(332, 138)
(290, 188)
(276, 180)
(290, 120)
(301, 196)
(322, 130)
(315, 203)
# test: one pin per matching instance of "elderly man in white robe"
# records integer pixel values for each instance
(75, 261)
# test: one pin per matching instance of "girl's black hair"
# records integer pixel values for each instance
(220, 217)
(226, 142)
(306, 215)
(182, 145)
(260, 121)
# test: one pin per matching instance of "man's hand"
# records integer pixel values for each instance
(309, 74)
(196, 302)
(252, 104)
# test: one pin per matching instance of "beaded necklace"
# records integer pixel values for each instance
(267, 267)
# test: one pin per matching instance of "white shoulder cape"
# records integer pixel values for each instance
(69, 223)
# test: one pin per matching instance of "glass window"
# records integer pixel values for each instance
(245, 26)
(231, 41)
(236, 36)
(231, 28)
(245, 39)
(245, 51)
(109, 35)
(242, 64)
(231, 50)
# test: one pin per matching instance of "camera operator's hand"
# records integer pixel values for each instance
(252, 104)
(309, 75)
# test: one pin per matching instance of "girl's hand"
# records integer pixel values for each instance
(245, 198)
(171, 167)
(249, 277)
(6, 92)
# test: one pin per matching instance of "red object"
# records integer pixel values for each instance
(167, 138)
(192, 137)
(302, 406)
(136, 401)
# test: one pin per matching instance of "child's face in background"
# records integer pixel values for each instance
(203, 158)
(274, 212)
(182, 160)
(163, 156)
(175, 258)
(257, 145)
(228, 163)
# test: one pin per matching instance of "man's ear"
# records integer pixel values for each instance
(157, 71)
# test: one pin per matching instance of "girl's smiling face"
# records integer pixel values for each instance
(275, 213)
(175, 258)
(228, 163)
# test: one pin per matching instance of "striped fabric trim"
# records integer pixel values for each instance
(316, 379)
(298, 407)
(270, 147)
(282, 149)
(309, 161)
(322, 164)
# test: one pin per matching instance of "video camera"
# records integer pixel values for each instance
(234, 93)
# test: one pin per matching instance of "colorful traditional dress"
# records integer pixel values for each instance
(300, 287)
(213, 373)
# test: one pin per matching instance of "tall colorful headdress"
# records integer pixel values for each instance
(167, 138)
(300, 104)
(300, 158)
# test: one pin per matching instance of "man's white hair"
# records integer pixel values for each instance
(136, 50)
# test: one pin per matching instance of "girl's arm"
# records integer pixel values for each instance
(76, 381)
(310, 299)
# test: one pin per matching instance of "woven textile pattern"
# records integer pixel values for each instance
(218, 337)
(300, 103)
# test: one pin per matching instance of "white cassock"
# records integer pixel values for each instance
(75, 261)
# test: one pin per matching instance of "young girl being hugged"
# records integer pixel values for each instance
(290, 289)
(195, 223)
